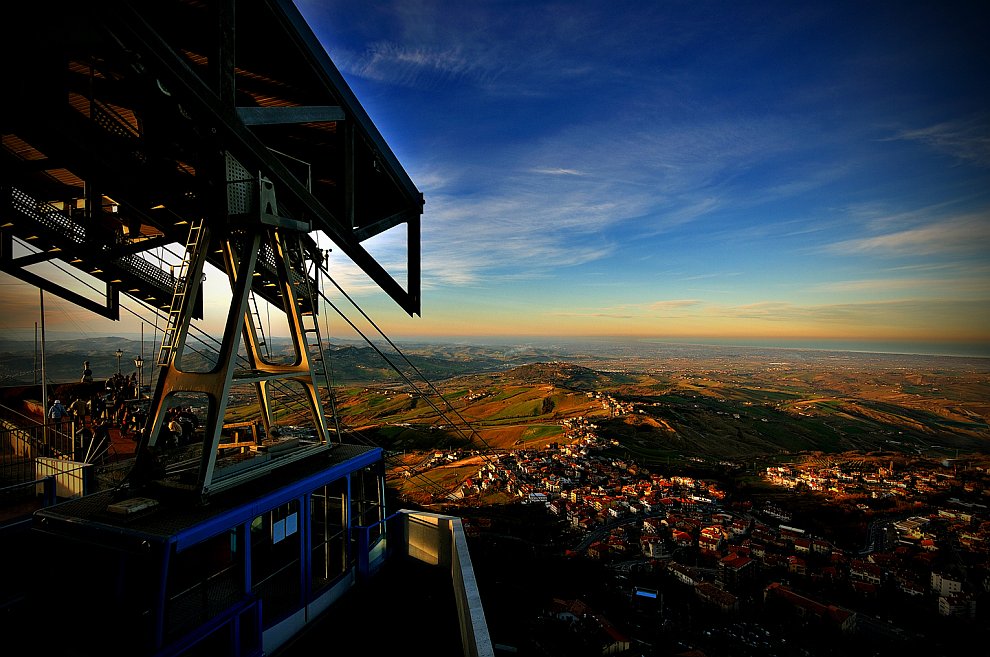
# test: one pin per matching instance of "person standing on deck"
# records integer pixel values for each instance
(58, 412)
(78, 410)
(87, 375)
(99, 407)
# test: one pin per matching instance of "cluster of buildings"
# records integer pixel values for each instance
(836, 480)
(733, 553)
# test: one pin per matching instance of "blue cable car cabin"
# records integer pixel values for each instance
(239, 575)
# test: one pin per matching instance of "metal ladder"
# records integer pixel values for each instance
(182, 288)
(258, 327)
(310, 325)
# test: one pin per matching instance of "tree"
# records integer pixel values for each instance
(548, 406)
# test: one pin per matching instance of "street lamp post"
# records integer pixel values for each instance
(139, 364)
(118, 354)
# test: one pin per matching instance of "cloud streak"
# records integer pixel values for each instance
(898, 316)
(967, 234)
(966, 140)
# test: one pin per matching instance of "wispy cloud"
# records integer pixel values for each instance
(414, 66)
(699, 277)
(976, 282)
(959, 235)
(557, 171)
(901, 318)
(966, 139)
(673, 304)
(593, 315)
(519, 235)
(522, 51)
(876, 285)
(667, 309)
(894, 314)
(592, 195)
(469, 241)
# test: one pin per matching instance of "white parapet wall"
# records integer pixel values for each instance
(440, 540)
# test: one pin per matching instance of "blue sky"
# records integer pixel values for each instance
(751, 172)
(743, 171)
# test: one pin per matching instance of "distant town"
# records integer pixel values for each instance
(923, 557)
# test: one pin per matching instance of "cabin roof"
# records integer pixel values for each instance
(174, 519)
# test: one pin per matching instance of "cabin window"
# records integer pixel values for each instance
(203, 580)
(367, 501)
(328, 519)
(275, 561)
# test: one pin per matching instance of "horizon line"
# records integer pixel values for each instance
(955, 349)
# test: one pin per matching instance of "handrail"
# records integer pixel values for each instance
(48, 490)
(50, 479)
(49, 437)
(7, 411)
(108, 118)
(226, 620)
(365, 544)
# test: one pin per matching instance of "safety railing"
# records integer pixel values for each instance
(31, 451)
(22, 437)
(47, 215)
(59, 222)
(111, 120)
(18, 501)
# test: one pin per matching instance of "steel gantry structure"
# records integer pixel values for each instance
(222, 128)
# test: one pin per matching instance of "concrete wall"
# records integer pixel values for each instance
(439, 540)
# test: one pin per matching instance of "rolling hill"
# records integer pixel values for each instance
(737, 415)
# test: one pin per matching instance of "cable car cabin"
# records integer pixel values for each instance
(153, 574)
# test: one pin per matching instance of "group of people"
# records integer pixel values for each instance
(179, 426)
(119, 388)
(77, 411)
(92, 415)
(113, 409)
(87, 419)
(92, 420)
(123, 385)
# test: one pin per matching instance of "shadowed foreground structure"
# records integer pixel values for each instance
(143, 142)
